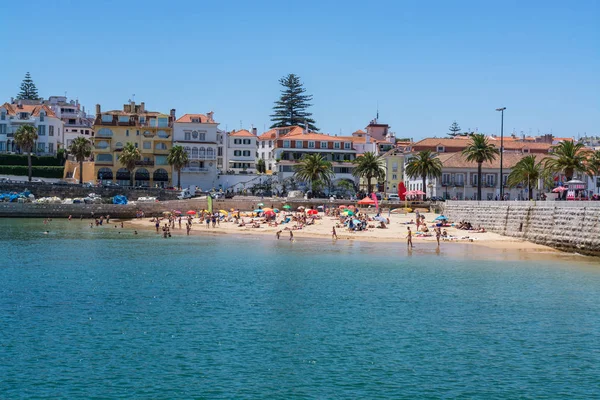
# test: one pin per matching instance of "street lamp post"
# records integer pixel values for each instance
(501, 151)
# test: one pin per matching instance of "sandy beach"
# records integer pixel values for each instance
(396, 231)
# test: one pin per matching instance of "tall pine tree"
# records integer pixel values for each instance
(28, 89)
(454, 129)
(291, 107)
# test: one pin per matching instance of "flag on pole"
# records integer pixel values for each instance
(209, 204)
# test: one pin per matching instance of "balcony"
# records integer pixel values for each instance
(103, 162)
(144, 163)
(195, 169)
(490, 184)
(161, 151)
(203, 157)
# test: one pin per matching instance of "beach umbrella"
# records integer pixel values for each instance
(275, 210)
(301, 208)
(267, 209)
(260, 204)
(258, 210)
(320, 207)
(342, 207)
(356, 221)
(177, 212)
(223, 212)
(191, 212)
(269, 214)
(286, 207)
(441, 218)
(559, 189)
(232, 209)
(312, 212)
(348, 212)
(366, 201)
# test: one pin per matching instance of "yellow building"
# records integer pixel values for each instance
(394, 170)
(149, 131)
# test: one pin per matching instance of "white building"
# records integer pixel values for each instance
(199, 136)
(241, 152)
(76, 121)
(49, 127)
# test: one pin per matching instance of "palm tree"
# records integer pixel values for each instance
(526, 172)
(479, 150)
(425, 164)
(177, 159)
(369, 166)
(594, 164)
(314, 169)
(130, 155)
(25, 137)
(81, 148)
(567, 157)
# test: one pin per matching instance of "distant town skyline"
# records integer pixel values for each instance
(420, 66)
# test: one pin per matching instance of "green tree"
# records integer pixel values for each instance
(567, 157)
(261, 168)
(177, 159)
(81, 148)
(25, 137)
(291, 107)
(130, 155)
(454, 129)
(526, 172)
(28, 89)
(346, 186)
(425, 164)
(479, 150)
(369, 166)
(315, 170)
(594, 164)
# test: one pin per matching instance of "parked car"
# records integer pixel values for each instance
(62, 183)
(393, 198)
(37, 180)
(110, 184)
(184, 194)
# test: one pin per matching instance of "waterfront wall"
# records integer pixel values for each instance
(39, 189)
(565, 225)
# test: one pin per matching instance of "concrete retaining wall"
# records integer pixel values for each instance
(569, 226)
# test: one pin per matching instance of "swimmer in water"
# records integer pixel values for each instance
(46, 232)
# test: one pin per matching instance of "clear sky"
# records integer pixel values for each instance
(426, 63)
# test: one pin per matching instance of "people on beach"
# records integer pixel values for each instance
(409, 238)
(278, 234)
(333, 233)
(438, 233)
(291, 236)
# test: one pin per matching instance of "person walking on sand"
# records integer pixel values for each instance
(409, 238)
(333, 233)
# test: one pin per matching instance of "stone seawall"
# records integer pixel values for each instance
(73, 191)
(567, 226)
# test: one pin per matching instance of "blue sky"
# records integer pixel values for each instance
(426, 63)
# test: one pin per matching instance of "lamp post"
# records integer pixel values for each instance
(501, 151)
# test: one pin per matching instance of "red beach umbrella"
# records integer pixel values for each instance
(269, 213)
(191, 212)
(366, 201)
(559, 189)
(312, 212)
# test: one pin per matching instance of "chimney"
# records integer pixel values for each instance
(12, 100)
(97, 109)
(20, 104)
(127, 108)
(209, 116)
(173, 113)
(305, 130)
(254, 131)
(142, 107)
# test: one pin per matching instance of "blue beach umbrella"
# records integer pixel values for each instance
(441, 218)
(275, 210)
(258, 210)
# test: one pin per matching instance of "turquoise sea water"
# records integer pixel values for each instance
(93, 313)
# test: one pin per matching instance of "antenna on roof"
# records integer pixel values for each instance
(240, 124)
(377, 118)
(133, 97)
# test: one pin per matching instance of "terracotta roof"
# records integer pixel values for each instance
(241, 133)
(124, 113)
(359, 132)
(457, 160)
(510, 145)
(272, 133)
(188, 118)
(299, 135)
(12, 109)
(560, 139)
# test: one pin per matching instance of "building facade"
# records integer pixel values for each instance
(49, 127)
(199, 136)
(149, 131)
(394, 170)
(76, 121)
(241, 152)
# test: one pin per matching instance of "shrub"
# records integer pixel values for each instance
(20, 159)
(38, 172)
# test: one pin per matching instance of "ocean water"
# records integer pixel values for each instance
(98, 314)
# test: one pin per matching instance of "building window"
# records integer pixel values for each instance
(247, 141)
(210, 153)
(103, 144)
(299, 144)
(237, 141)
(42, 115)
(3, 115)
(51, 130)
(2, 129)
(286, 144)
(394, 176)
(104, 132)
(237, 153)
(118, 145)
(127, 132)
(474, 179)
(188, 150)
(220, 152)
(202, 152)
(263, 144)
(445, 179)
(41, 130)
(50, 147)
(336, 145)
(104, 157)
(195, 135)
(147, 145)
(440, 149)
(323, 145)
(194, 152)
(41, 147)
(202, 136)
(124, 119)
(162, 134)
(74, 130)
(394, 167)
(347, 146)
(161, 146)
(246, 153)
(490, 180)
(311, 145)
(187, 136)
(163, 122)
(459, 179)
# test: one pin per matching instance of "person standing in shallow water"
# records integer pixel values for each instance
(409, 238)
(438, 233)
(291, 236)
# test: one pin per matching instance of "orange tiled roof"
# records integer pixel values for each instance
(359, 132)
(188, 118)
(457, 160)
(272, 133)
(12, 109)
(299, 135)
(448, 142)
(241, 133)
